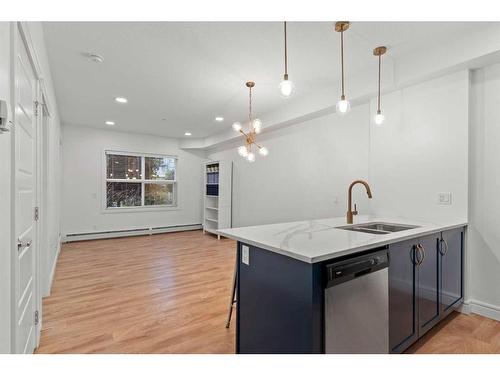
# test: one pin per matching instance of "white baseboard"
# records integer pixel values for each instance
(53, 269)
(129, 232)
(481, 308)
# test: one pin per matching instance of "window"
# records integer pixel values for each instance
(136, 180)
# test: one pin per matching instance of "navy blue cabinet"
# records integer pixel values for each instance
(402, 296)
(451, 252)
(425, 285)
(428, 283)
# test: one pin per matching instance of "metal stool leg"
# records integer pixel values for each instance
(233, 299)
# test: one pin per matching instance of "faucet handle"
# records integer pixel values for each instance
(355, 212)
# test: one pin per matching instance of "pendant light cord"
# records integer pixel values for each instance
(250, 104)
(379, 65)
(286, 53)
(342, 59)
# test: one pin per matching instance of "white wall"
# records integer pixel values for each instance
(484, 184)
(83, 173)
(306, 173)
(421, 150)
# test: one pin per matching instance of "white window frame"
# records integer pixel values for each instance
(141, 181)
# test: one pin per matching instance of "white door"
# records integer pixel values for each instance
(25, 277)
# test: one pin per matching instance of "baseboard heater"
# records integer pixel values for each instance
(71, 237)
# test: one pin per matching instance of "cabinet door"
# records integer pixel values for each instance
(428, 283)
(402, 297)
(451, 253)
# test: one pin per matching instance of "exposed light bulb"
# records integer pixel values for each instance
(286, 88)
(343, 106)
(263, 151)
(379, 118)
(242, 150)
(251, 157)
(120, 99)
(237, 126)
(257, 125)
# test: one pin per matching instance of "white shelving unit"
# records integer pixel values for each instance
(218, 192)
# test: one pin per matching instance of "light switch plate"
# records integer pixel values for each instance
(444, 198)
(245, 255)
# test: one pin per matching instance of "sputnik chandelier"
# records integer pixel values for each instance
(255, 127)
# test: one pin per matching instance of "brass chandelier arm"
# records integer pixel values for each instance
(257, 145)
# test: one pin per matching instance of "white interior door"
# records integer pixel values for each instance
(25, 276)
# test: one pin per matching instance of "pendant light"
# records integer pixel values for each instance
(255, 127)
(286, 86)
(343, 105)
(379, 51)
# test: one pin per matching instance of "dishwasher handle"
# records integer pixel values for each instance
(338, 273)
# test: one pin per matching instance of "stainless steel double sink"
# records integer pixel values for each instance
(378, 228)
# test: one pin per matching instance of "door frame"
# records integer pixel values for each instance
(39, 97)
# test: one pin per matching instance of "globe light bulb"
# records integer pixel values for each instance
(379, 118)
(286, 88)
(251, 157)
(236, 126)
(343, 106)
(263, 151)
(257, 125)
(242, 150)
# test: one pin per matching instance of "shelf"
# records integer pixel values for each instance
(212, 220)
(212, 196)
(212, 183)
(212, 208)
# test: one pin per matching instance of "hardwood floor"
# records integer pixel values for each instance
(461, 334)
(168, 293)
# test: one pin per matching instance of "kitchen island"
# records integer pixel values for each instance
(282, 276)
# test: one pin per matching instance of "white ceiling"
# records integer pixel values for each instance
(188, 73)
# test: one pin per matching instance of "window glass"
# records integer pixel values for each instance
(158, 194)
(123, 194)
(160, 168)
(129, 185)
(123, 167)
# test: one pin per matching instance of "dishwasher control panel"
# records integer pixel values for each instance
(357, 266)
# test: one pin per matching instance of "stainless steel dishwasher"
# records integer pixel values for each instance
(357, 305)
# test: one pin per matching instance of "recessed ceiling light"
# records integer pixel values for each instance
(219, 119)
(111, 123)
(120, 99)
(95, 57)
(187, 133)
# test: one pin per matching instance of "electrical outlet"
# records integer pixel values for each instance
(444, 198)
(245, 255)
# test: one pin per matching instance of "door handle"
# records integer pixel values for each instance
(23, 244)
(443, 241)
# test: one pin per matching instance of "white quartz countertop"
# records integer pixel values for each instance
(314, 241)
